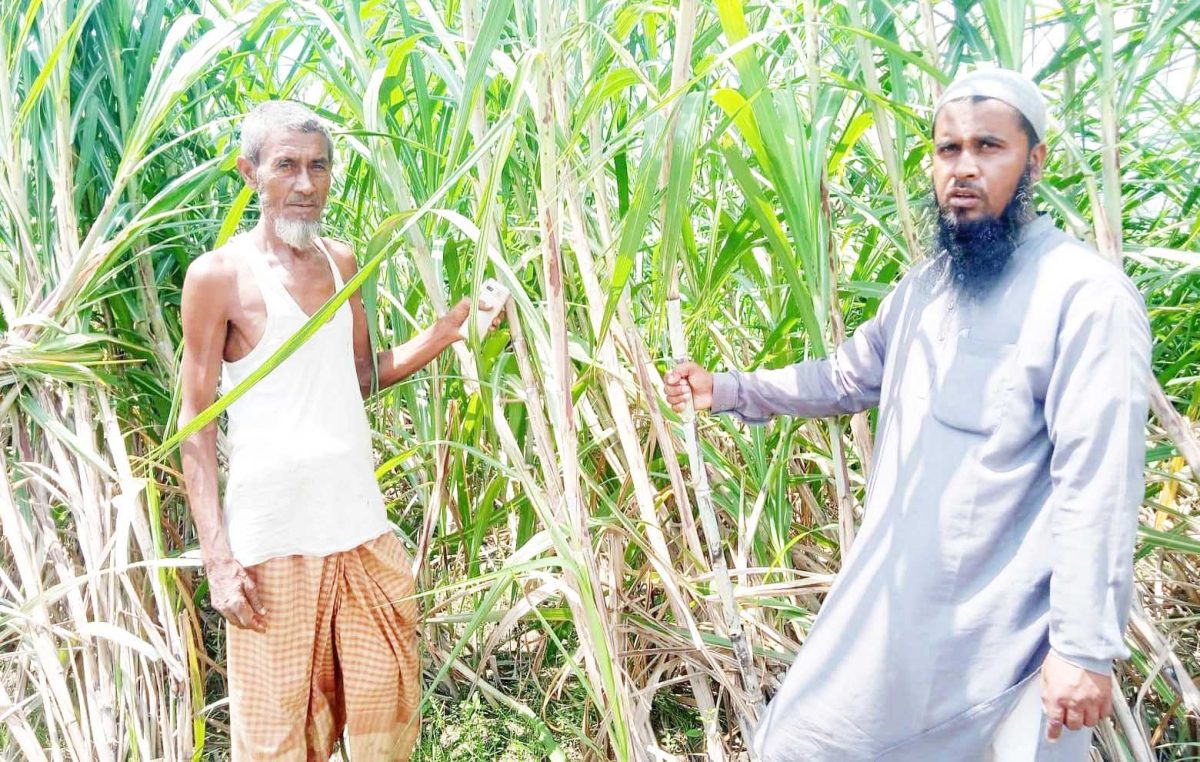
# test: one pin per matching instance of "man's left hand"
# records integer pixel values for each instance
(1073, 696)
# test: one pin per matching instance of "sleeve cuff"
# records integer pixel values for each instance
(725, 392)
(1099, 666)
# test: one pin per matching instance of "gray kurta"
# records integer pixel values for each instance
(1001, 509)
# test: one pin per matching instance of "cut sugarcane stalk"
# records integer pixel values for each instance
(714, 542)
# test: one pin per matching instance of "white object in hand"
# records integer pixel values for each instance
(494, 295)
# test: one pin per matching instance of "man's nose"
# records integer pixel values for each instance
(966, 168)
(304, 183)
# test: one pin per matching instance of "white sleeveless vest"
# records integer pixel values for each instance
(301, 476)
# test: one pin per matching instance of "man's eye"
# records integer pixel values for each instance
(947, 149)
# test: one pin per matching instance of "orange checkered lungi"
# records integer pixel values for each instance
(339, 653)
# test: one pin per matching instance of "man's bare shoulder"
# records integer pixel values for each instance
(216, 267)
(343, 254)
(212, 274)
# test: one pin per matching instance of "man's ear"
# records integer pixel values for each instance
(1037, 161)
(247, 170)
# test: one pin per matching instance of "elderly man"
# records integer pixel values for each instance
(995, 556)
(302, 563)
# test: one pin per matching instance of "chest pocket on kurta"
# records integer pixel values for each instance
(974, 386)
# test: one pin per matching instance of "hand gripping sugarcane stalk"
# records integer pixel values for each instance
(712, 532)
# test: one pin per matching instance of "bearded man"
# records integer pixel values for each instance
(994, 561)
(302, 563)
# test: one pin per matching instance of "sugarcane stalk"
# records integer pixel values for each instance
(714, 542)
(1109, 233)
(746, 712)
(883, 128)
(931, 46)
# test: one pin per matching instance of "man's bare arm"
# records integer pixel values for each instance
(402, 361)
(207, 289)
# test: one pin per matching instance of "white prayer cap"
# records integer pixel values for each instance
(1004, 85)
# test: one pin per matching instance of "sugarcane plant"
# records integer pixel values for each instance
(736, 183)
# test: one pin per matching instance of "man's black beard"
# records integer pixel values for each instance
(974, 254)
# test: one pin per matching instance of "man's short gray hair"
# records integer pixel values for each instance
(270, 117)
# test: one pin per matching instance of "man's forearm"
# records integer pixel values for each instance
(199, 454)
(847, 381)
(810, 389)
(400, 362)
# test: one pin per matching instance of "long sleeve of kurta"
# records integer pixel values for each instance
(1095, 411)
(846, 382)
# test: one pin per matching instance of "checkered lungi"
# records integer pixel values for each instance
(339, 653)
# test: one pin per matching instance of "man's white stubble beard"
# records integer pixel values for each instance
(298, 234)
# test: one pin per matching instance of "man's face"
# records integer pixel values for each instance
(292, 176)
(980, 152)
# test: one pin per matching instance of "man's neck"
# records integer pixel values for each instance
(268, 240)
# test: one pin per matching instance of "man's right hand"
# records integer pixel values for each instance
(689, 380)
(233, 593)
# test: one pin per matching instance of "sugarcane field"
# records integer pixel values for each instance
(634, 380)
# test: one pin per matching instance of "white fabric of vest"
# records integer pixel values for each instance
(301, 475)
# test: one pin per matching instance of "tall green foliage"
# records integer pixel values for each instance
(767, 161)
